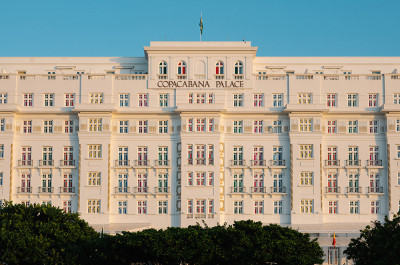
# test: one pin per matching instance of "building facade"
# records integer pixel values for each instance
(205, 131)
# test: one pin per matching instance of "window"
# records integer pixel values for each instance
(210, 180)
(48, 126)
(163, 155)
(162, 182)
(396, 98)
(67, 184)
(398, 151)
(68, 156)
(331, 126)
(352, 100)
(142, 207)
(49, 100)
(200, 98)
(374, 183)
(306, 151)
(210, 123)
(219, 68)
(210, 154)
(237, 183)
(258, 100)
(47, 155)
(2, 125)
(95, 125)
(278, 183)
(46, 183)
(69, 100)
(190, 178)
(354, 207)
(142, 182)
(181, 68)
(142, 156)
(69, 126)
(277, 100)
(1, 180)
(237, 126)
(210, 98)
(25, 183)
(331, 100)
(258, 155)
(258, 207)
(200, 206)
(237, 155)
(277, 128)
(278, 207)
(27, 127)
(162, 69)
(200, 179)
(304, 98)
(200, 155)
(201, 125)
(67, 206)
(189, 207)
(238, 69)
(162, 207)
(1, 151)
(373, 126)
(372, 100)
(96, 98)
(26, 156)
(305, 125)
(123, 126)
(210, 206)
(143, 126)
(3, 98)
(353, 156)
(238, 207)
(333, 252)
(93, 206)
(28, 100)
(122, 205)
(332, 183)
(277, 155)
(353, 127)
(333, 207)
(94, 151)
(306, 178)
(190, 154)
(238, 100)
(162, 126)
(143, 100)
(307, 206)
(258, 126)
(397, 125)
(124, 100)
(163, 100)
(332, 156)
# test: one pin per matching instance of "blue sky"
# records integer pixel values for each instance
(123, 28)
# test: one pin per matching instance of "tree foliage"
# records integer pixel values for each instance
(377, 245)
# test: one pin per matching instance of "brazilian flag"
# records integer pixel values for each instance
(201, 26)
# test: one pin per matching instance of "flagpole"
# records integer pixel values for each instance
(201, 19)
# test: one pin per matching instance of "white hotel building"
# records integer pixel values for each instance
(204, 131)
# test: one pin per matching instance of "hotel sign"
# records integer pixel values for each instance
(204, 84)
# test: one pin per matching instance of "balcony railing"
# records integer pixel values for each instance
(258, 162)
(181, 77)
(332, 163)
(67, 163)
(162, 190)
(131, 77)
(162, 77)
(25, 163)
(258, 190)
(353, 163)
(67, 189)
(219, 76)
(332, 189)
(140, 190)
(122, 189)
(375, 189)
(200, 215)
(377, 163)
(122, 163)
(270, 77)
(141, 163)
(278, 189)
(238, 77)
(238, 163)
(46, 189)
(159, 163)
(24, 190)
(238, 190)
(353, 190)
(277, 163)
(44, 163)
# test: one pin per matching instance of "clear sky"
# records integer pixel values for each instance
(124, 27)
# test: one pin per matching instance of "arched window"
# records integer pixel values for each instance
(162, 68)
(219, 68)
(181, 68)
(238, 68)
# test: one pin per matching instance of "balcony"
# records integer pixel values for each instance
(200, 215)
(162, 190)
(46, 163)
(122, 190)
(332, 190)
(277, 163)
(377, 163)
(332, 163)
(181, 77)
(238, 190)
(238, 77)
(24, 190)
(260, 190)
(238, 163)
(122, 163)
(162, 163)
(353, 163)
(142, 163)
(375, 189)
(140, 190)
(258, 163)
(25, 163)
(219, 77)
(67, 163)
(67, 190)
(46, 189)
(130, 77)
(279, 190)
(353, 190)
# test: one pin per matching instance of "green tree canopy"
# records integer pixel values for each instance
(379, 244)
(41, 235)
